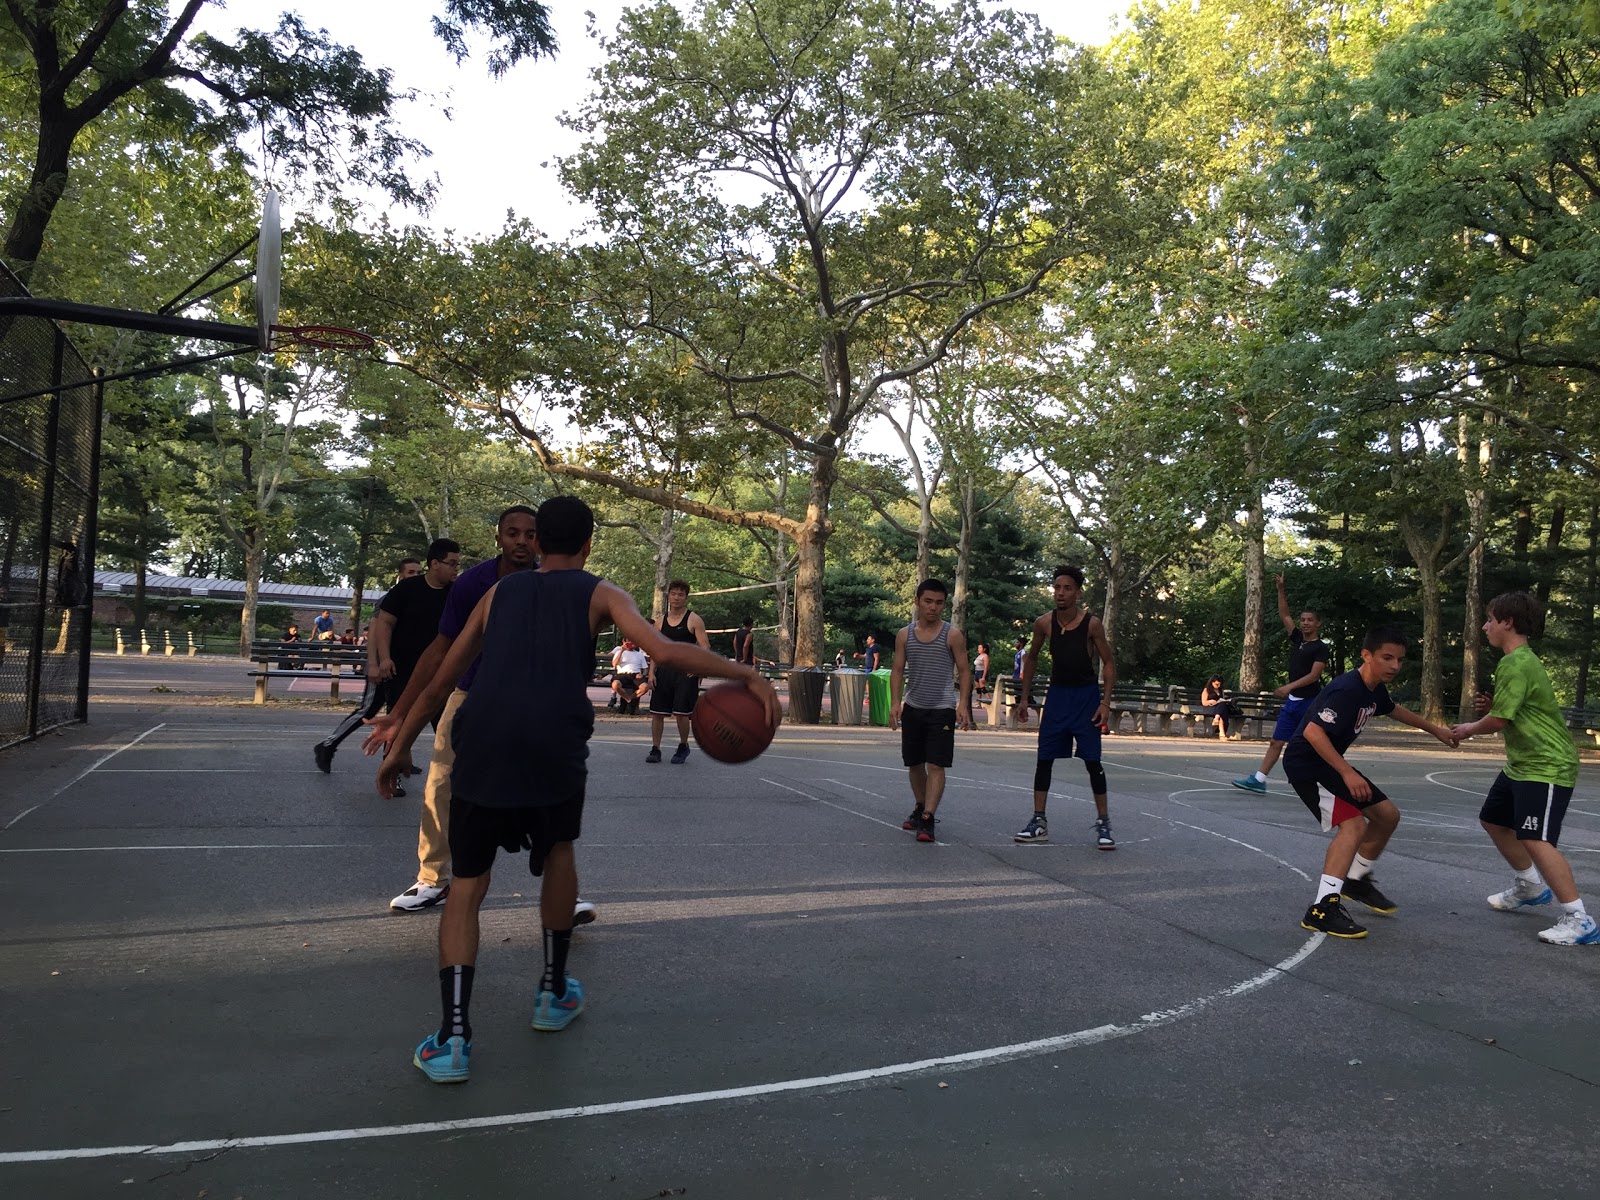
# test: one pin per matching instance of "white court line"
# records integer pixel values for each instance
(202, 771)
(246, 846)
(854, 788)
(831, 804)
(1223, 836)
(814, 1083)
(1440, 783)
(105, 758)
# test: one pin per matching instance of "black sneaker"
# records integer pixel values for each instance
(1036, 830)
(681, 754)
(1328, 916)
(1102, 834)
(925, 828)
(323, 753)
(654, 755)
(1365, 891)
(914, 821)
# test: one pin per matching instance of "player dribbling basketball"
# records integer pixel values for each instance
(521, 740)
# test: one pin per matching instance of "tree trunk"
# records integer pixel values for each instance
(968, 493)
(1591, 596)
(1478, 519)
(1552, 543)
(1251, 678)
(358, 577)
(252, 590)
(1109, 613)
(25, 238)
(141, 604)
(1432, 642)
(63, 637)
(811, 548)
(665, 544)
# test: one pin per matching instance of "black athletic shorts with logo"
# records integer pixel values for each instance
(927, 735)
(674, 694)
(1323, 791)
(1534, 810)
(478, 830)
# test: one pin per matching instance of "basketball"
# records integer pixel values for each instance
(730, 723)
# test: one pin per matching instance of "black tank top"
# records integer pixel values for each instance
(521, 736)
(680, 632)
(1070, 664)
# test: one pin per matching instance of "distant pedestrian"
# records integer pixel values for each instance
(980, 672)
(406, 568)
(930, 690)
(744, 642)
(405, 626)
(322, 626)
(1075, 707)
(872, 656)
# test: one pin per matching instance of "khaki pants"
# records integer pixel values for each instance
(433, 837)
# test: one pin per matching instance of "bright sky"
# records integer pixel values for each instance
(496, 154)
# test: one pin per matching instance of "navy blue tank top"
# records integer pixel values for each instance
(521, 736)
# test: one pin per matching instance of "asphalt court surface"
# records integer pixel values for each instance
(788, 995)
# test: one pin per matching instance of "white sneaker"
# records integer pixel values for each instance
(1520, 895)
(582, 912)
(419, 896)
(1574, 929)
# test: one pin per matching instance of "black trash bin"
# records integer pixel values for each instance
(805, 695)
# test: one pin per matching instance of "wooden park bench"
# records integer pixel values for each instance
(299, 660)
(1585, 721)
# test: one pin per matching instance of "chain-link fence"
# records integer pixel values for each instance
(49, 457)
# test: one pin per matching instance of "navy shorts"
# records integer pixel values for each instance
(674, 694)
(1534, 810)
(1067, 724)
(477, 831)
(1289, 718)
(1323, 791)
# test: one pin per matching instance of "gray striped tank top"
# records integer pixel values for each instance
(930, 670)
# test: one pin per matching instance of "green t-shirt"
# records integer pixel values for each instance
(1538, 746)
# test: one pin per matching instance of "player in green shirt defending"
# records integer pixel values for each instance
(1527, 801)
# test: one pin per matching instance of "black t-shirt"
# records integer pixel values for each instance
(1341, 710)
(1302, 656)
(416, 607)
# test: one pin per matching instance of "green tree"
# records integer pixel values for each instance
(324, 116)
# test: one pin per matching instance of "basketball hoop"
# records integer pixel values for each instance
(321, 337)
(269, 269)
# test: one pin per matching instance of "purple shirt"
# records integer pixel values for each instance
(471, 585)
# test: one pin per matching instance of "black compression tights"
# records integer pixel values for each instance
(1097, 776)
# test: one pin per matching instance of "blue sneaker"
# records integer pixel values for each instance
(1250, 784)
(551, 1015)
(1574, 929)
(443, 1062)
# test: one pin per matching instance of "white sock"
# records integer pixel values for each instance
(1329, 886)
(1360, 869)
(1261, 776)
(1575, 907)
(1530, 878)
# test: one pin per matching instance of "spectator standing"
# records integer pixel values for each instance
(744, 643)
(871, 657)
(673, 693)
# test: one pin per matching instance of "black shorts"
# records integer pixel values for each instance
(927, 736)
(478, 830)
(1322, 791)
(1534, 810)
(628, 685)
(674, 694)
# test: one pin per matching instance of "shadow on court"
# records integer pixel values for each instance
(789, 997)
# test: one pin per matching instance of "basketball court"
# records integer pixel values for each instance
(788, 996)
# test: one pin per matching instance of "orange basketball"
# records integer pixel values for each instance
(730, 723)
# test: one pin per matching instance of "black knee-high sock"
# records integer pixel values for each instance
(455, 992)
(556, 944)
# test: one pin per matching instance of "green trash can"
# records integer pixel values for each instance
(878, 697)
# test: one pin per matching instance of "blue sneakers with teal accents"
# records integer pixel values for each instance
(443, 1062)
(1250, 784)
(551, 1015)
